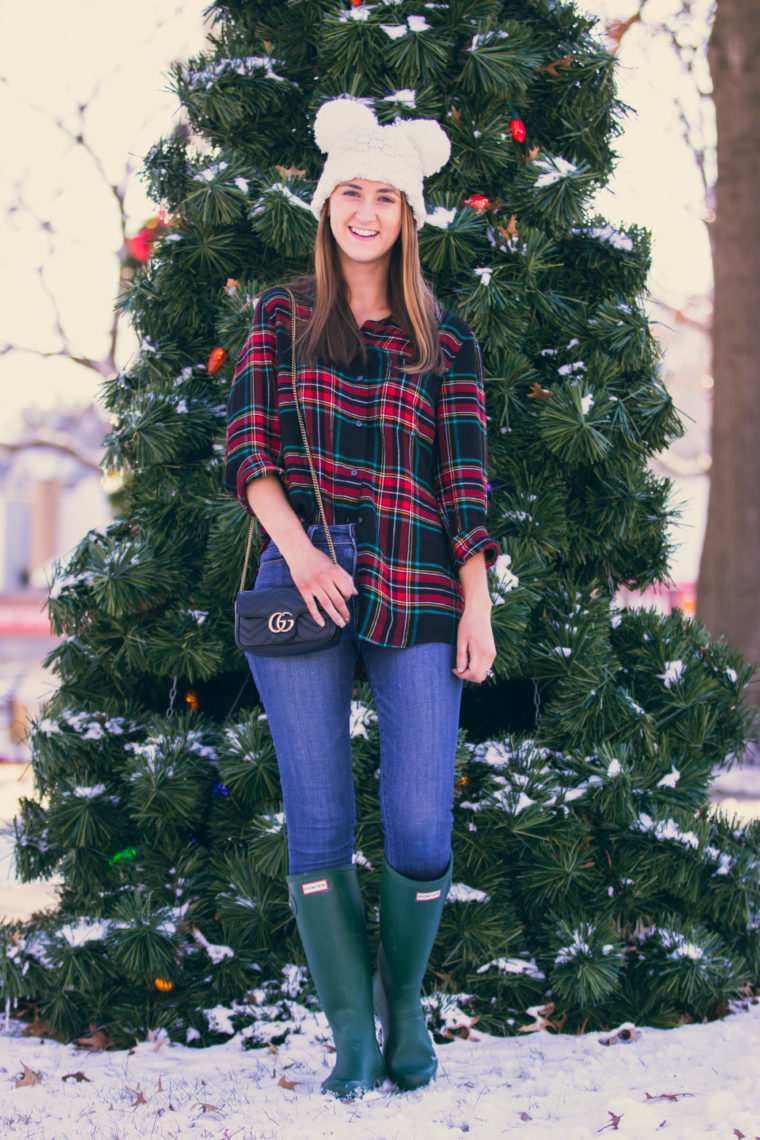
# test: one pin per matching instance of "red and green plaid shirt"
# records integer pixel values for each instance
(401, 455)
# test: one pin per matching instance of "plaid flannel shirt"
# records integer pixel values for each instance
(400, 455)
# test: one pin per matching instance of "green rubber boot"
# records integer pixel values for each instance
(328, 908)
(410, 912)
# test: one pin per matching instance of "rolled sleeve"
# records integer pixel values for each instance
(253, 427)
(461, 455)
(463, 546)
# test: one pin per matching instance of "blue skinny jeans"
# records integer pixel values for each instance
(307, 700)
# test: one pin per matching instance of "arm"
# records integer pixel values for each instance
(476, 648)
(255, 464)
(460, 481)
(316, 576)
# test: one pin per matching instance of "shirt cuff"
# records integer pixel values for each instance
(463, 546)
(254, 467)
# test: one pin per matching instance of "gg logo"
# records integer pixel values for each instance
(281, 622)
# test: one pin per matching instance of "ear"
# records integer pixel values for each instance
(429, 140)
(337, 118)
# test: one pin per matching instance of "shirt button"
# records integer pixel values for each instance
(359, 377)
(354, 471)
(359, 423)
(360, 518)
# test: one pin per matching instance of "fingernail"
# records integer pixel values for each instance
(321, 621)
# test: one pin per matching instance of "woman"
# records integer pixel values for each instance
(391, 392)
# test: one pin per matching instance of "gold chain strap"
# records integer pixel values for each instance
(305, 438)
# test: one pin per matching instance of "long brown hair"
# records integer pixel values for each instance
(332, 332)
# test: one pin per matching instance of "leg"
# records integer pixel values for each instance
(308, 700)
(418, 712)
(418, 701)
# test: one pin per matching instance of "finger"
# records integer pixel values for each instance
(313, 609)
(332, 607)
(462, 659)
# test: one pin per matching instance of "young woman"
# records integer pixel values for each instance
(392, 396)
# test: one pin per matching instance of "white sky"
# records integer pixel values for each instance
(114, 58)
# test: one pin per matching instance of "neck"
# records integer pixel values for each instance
(367, 289)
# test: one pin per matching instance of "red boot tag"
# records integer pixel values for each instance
(427, 896)
(317, 886)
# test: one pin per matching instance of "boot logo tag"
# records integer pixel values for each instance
(427, 896)
(315, 887)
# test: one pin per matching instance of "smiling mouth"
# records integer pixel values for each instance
(363, 233)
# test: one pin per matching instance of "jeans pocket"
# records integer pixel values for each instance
(273, 572)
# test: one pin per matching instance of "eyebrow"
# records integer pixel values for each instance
(382, 190)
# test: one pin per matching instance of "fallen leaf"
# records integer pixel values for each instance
(613, 1124)
(543, 1019)
(525, 1116)
(272, 1050)
(30, 1077)
(209, 1107)
(666, 1096)
(97, 1039)
(286, 1084)
(160, 1086)
(539, 393)
(552, 67)
(139, 1094)
(39, 1028)
(78, 1077)
(463, 1031)
(290, 172)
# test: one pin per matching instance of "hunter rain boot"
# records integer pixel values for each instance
(328, 908)
(410, 912)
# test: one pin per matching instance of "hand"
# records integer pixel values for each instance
(476, 648)
(319, 580)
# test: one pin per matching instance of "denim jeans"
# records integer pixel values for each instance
(307, 700)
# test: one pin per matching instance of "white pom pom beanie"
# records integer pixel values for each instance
(401, 154)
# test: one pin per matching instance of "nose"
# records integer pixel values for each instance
(365, 210)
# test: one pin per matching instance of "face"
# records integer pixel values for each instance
(365, 219)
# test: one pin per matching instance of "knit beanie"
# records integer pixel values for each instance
(400, 154)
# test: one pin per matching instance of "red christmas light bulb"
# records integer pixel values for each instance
(477, 202)
(517, 130)
(216, 359)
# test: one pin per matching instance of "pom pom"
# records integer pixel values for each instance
(337, 118)
(430, 141)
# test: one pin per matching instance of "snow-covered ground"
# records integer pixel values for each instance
(686, 1083)
(690, 1082)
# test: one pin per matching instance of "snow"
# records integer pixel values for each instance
(460, 892)
(695, 1081)
(553, 169)
(673, 673)
(441, 217)
(395, 31)
(406, 96)
(587, 403)
(418, 24)
(609, 234)
(361, 717)
(484, 273)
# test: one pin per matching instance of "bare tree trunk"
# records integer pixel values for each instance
(728, 596)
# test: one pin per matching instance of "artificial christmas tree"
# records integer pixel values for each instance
(590, 876)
